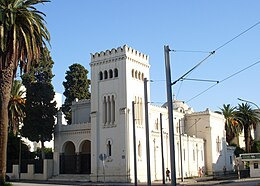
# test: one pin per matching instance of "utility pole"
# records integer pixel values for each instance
(134, 139)
(170, 112)
(20, 156)
(147, 133)
(182, 179)
(163, 169)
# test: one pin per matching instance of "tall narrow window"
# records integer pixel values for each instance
(113, 109)
(136, 110)
(156, 124)
(100, 75)
(139, 150)
(194, 158)
(184, 154)
(105, 74)
(105, 110)
(110, 73)
(218, 144)
(141, 110)
(133, 73)
(142, 76)
(109, 148)
(116, 72)
(139, 75)
(202, 155)
(108, 109)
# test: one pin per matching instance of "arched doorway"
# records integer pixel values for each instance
(68, 159)
(85, 157)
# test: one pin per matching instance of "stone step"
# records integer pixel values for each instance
(71, 177)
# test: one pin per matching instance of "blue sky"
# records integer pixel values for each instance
(81, 27)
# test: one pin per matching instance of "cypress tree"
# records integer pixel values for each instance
(76, 86)
(40, 108)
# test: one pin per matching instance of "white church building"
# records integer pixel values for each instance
(103, 125)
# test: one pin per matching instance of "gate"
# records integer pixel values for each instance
(68, 164)
(85, 163)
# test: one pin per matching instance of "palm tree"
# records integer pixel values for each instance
(16, 106)
(248, 118)
(232, 127)
(22, 36)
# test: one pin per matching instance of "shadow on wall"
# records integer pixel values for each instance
(226, 158)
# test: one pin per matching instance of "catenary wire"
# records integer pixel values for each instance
(229, 41)
(191, 51)
(223, 80)
(214, 51)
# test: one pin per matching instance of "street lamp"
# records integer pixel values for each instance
(249, 102)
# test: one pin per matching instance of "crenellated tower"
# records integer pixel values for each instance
(117, 79)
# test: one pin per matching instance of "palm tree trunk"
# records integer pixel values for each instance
(6, 78)
(247, 139)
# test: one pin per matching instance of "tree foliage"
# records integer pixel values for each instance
(13, 148)
(40, 107)
(256, 147)
(248, 118)
(22, 37)
(76, 86)
(16, 106)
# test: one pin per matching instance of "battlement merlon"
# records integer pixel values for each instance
(124, 51)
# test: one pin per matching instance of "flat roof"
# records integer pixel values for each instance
(250, 157)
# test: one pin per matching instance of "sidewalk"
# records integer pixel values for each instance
(210, 181)
(195, 181)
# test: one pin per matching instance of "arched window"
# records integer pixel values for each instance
(116, 72)
(156, 124)
(139, 75)
(100, 75)
(133, 73)
(109, 109)
(109, 148)
(110, 73)
(142, 76)
(105, 74)
(194, 158)
(105, 110)
(218, 144)
(113, 109)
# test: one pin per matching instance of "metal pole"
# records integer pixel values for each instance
(163, 174)
(170, 113)
(147, 133)
(134, 139)
(20, 156)
(249, 102)
(182, 179)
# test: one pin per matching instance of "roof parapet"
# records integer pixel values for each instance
(124, 50)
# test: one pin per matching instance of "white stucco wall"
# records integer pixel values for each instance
(199, 130)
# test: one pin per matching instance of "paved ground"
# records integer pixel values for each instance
(247, 182)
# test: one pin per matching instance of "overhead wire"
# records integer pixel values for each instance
(213, 52)
(191, 51)
(229, 41)
(228, 77)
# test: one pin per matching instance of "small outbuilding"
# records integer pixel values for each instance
(254, 163)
